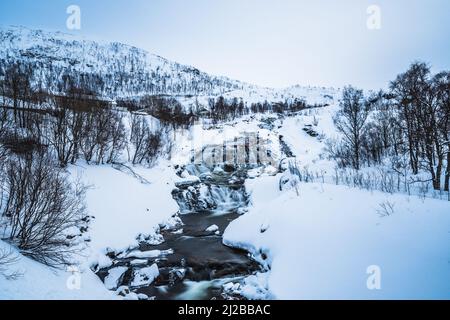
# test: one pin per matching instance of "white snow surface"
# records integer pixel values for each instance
(320, 244)
(212, 228)
(123, 209)
(39, 282)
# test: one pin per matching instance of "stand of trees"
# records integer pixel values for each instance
(221, 109)
(409, 124)
(146, 144)
(170, 111)
(166, 109)
(78, 124)
(40, 135)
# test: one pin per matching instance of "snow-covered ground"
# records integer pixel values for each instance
(321, 240)
(318, 243)
(124, 208)
(321, 243)
(38, 282)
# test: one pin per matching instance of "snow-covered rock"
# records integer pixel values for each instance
(147, 254)
(145, 276)
(114, 276)
(212, 228)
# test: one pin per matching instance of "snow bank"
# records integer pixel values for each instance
(147, 254)
(39, 282)
(320, 244)
(123, 207)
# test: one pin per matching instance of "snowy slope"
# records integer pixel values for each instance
(124, 207)
(320, 244)
(126, 70)
(36, 281)
(119, 70)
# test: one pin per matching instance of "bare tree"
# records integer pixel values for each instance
(350, 120)
(146, 144)
(422, 101)
(17, 86)
(118, 137)
(407, 90)
(441, 84)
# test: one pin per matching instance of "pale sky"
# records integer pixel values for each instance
(273, 43)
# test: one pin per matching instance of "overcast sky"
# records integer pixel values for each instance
(272, 43)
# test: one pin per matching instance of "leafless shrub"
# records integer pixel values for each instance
(292, 178)
(40, 206)
(7, 259)
(381, 179)
(386, 209)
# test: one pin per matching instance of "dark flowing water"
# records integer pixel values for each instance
(194, 264)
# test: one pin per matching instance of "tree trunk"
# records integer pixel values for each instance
(437, 178)
(447, 174)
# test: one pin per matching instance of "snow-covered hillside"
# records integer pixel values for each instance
(116, 70)
(124, 70)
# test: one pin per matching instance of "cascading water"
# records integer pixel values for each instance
(192, 261)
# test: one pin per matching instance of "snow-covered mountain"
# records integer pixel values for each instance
(118, 70)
